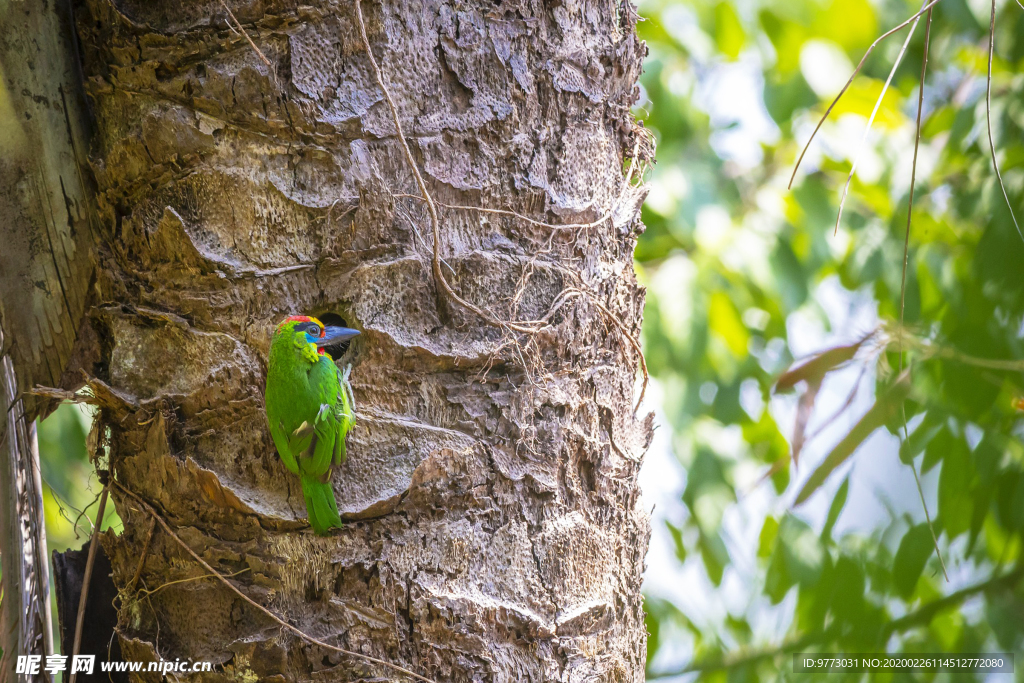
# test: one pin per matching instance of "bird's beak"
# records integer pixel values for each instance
(335, 335)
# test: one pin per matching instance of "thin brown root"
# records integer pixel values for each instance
(988, 114)
(145, 592)
(435, 220)
(856, 71)
(276, 619)
(634, 342)
(245, 33)
(525, 327)
(143, 555)
(541, 224)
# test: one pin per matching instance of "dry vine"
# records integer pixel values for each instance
(276, 619)
(521, 326)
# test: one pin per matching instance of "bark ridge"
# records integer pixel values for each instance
(495, 527)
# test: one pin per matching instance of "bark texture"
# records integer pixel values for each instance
(495, 528)
(46, 262)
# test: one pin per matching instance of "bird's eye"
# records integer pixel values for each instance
(314, 330)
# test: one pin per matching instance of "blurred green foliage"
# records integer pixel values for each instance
(70, 487)
(736, 263)
(732, 258)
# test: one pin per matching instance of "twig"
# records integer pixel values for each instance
(913, 181)
(856, 71)
(1001, 364)
(871, 120)
(927, 515)
(82, 513)
(988, 114)
(142, 556)
(245, 33)
(903, 283)
(90, 561)
(276, 619)
(146, 592)
(927, 612)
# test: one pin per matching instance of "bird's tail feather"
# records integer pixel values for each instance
(321, 508)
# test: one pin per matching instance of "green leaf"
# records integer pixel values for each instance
(677, 539)
(727, 324)
(658, 614)
(916, 547)
(1010, 500)
(936, 448)
(835, 509)
(847, 585)
(707, 492)
(796, 558)
(729, 35)
(851, 23)
(884, 409)
(715, 556)
(955, 502)
(920, 438)
(766, 540)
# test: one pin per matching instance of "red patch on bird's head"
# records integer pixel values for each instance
(293, 319)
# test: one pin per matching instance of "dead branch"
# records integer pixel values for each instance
(90, 561)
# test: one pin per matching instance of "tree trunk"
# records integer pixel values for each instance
(495, 530)
(46, 263)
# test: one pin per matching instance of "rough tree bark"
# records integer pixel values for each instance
(46, 263)
(495, 526)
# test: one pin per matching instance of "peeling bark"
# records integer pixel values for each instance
(46, 264)
(494, 523)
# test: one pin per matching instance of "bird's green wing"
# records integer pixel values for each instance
(283, 447)
(300, 440)
(345, 413)
(309, 447)
(318, 455)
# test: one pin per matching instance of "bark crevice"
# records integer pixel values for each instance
(490, 489)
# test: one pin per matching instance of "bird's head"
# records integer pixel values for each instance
(308, 336)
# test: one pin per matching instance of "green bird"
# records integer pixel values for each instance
(310, 408)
